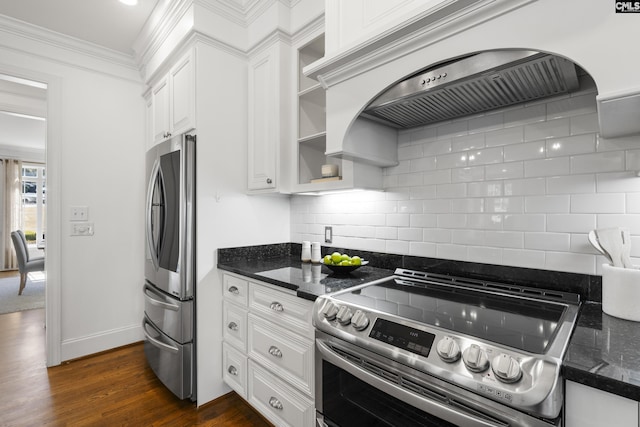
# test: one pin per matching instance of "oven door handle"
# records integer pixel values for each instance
(437, 409)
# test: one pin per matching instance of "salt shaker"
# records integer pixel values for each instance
(315, 252)
(306, 251)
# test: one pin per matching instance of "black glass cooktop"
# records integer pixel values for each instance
(520, 323)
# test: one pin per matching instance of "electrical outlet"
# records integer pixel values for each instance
(82, 229)
(79, 213)
(328, 234)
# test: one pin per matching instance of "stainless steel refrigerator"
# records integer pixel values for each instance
(169, 288)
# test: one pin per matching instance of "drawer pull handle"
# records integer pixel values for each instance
(233, 326)
(233, 371)
(276, 306)
(275, 351)
(275, 403)
(234, 290)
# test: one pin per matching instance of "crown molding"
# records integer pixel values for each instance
(60, 41)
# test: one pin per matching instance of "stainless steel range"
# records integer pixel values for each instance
(427, 349)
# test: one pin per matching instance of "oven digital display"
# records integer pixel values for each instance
(403, 337)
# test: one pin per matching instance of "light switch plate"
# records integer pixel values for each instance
(328, 234)
(79, 213)
(82, 229)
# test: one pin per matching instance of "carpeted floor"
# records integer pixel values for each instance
(32, 296)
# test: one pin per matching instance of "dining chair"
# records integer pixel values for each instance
(25, 264)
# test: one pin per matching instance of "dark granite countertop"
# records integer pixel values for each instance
(604, 353)
(308, 280)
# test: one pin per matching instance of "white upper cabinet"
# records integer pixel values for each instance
(173, 98)
(268, 107)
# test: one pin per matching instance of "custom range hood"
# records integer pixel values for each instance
(473, 84)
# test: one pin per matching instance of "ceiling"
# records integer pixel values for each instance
(107, 23)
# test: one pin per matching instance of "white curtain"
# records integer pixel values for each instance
(11, 208)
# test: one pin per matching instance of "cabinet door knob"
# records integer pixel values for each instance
(232, 370)
(275, 351)
(269, 181)
(234, 290)
(275, 403)
(276, 306)
(233, 326)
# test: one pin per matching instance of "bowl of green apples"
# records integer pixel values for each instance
(343, 263)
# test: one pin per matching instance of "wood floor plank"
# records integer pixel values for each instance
(106, 389)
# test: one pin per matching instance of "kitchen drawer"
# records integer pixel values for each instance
(277, 401)
(286, 354)
(235, 289)
(284, 309)
(234, 323)
(234, 369)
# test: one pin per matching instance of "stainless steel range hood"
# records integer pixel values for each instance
(474, 84)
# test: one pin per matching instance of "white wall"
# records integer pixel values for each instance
(100, 151)
(520, 186)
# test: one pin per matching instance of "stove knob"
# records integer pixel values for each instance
(344, 315)
(448, 349)
(359, 320)
(475, 359)
(506, 368)
(330, 310)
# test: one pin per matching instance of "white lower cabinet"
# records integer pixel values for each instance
(589, 407)
(268, 351)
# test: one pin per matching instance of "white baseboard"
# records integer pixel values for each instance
(90, 344)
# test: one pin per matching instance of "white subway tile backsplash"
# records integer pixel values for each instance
(526, 151)
(521, 186)
(550, 129)
(547, 204)
(410, 234)
(524, 258)
(524, 222)
(467, 205)
(522, 115)
(453, 160)
(504, 204)
(467, 142)
(573, 106)
(617, 182)
(452, 129)
(547, 241)
(422, 164)
(547, 167)
(507, 136)
(577, 144)
(598, 203)
(505, 239)
(486, 156)
(571, 184)
(524, 187)
(610, 161)
(571, 223)
(442, 235)
(484, 189)
(471, 174)
(587, 123)
(511, 170)
(448, 191)
(435, 148)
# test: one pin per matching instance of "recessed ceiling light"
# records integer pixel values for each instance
(129, 2)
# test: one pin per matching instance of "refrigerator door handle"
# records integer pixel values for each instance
(155, 342)
(154, 246)
(148, 295)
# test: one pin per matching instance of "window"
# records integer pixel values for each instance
(33, 202)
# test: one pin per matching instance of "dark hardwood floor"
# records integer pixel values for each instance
(114, 388)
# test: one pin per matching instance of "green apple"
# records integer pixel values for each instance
(345, 257)
(336, 257)
(345, 263)
(356, 260)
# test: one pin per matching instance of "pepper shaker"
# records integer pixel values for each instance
(316, 256)
(306, 251)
